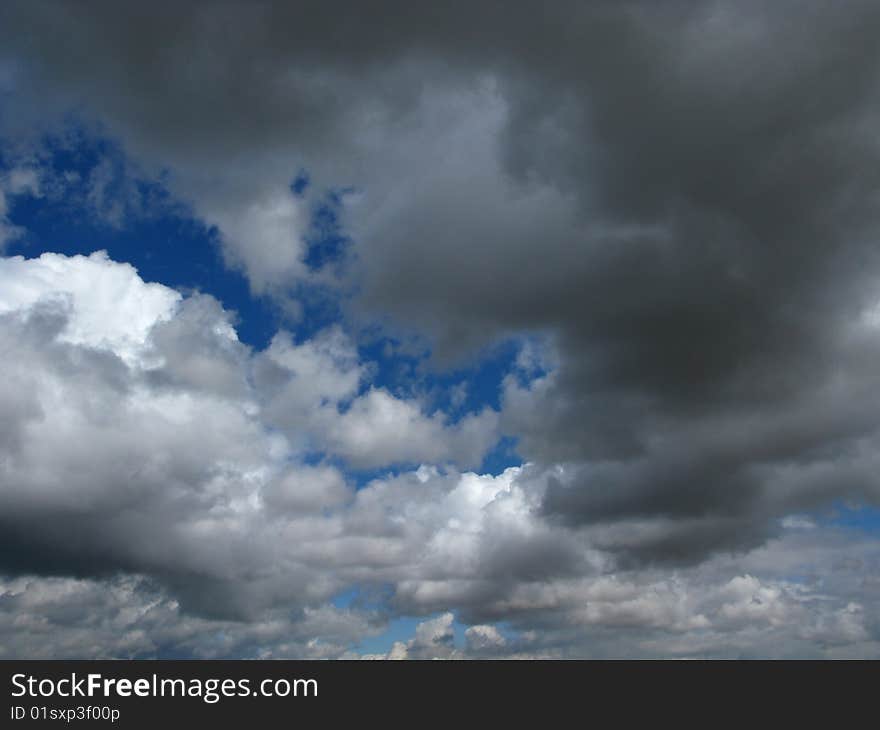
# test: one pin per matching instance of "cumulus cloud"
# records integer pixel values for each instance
(111, 308)
(138, 441)
(484, 638)
(433, 639)
(314, 392)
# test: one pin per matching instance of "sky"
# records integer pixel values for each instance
(450, 330)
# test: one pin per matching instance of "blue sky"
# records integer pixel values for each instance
(139, 222)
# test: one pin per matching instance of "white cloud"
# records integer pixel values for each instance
(304, 489)
(108, 304)
(483, 638)
(262, 236)
(379, 428)
(137, 440)
(433, 639)
(313, 395)
(151, 443)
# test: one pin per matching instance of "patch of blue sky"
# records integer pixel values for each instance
(479, 381)
(326, 240)
(510, 634)
(361, 477)
(157, 236)
(502, 456)
(862, 517)
(459, 629)
(346, 598)
(365, 598)
(849, 515)
(457, 391)
(92, 199)
(300, 183)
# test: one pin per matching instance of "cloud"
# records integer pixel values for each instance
(674, 203)
(314, 393)
(53, 618)
(204, 503)
(379, 429)
(484, 638)
(433, 639)
(141, 442)
(148, 508)
(264, 238)
(680, 199)
(112, 308)
(720, 610)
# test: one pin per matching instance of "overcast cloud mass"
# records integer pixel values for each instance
(440, 330)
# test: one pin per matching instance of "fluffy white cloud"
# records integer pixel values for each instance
(378, 428)
(108, 305)
(484, 638)
(314, 394)
(147, 441)
(152, 445)
(262, 236)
